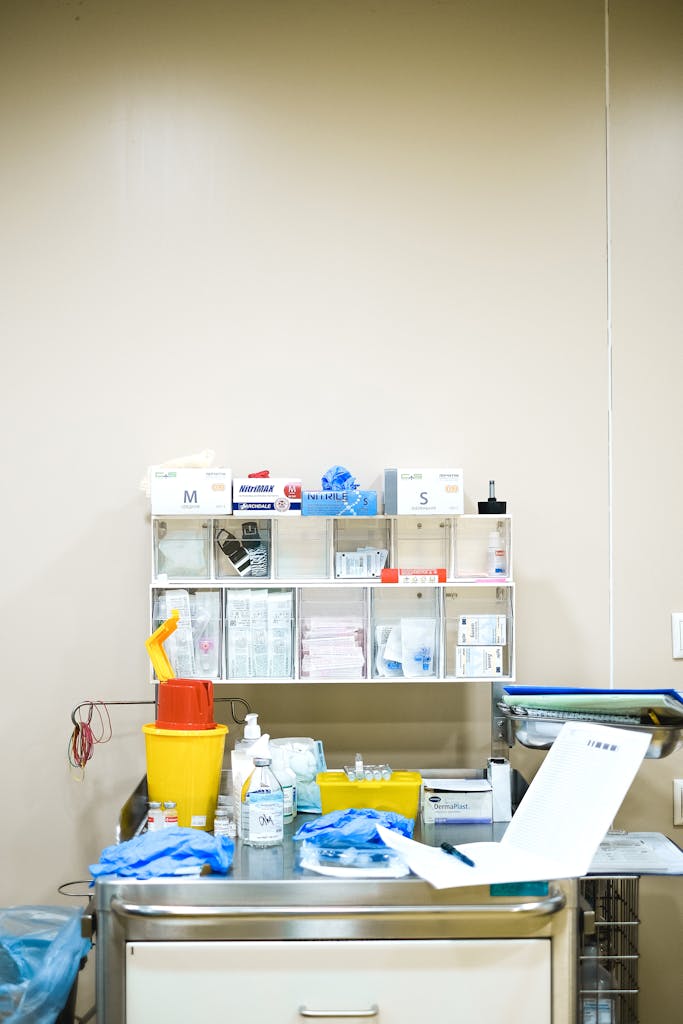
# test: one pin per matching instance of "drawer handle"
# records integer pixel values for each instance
(371, 1012)
(538, 908)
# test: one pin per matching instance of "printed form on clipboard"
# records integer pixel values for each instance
(560, 823)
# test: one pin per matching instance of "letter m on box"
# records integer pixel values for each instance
(190, 498)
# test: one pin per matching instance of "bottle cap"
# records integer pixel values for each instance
(261, 762)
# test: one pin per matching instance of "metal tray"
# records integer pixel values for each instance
(540, 733)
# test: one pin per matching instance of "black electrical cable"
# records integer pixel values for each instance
(62, 889)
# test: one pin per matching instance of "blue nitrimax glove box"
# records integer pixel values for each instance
(339, 503)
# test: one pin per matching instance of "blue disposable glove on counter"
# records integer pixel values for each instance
(170, 851)
(354, 825)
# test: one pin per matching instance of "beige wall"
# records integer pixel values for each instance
(304, 233)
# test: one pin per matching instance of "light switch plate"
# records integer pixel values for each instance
(677, 634)
(678, 801)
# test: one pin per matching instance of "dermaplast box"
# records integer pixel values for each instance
(424, 492)
(197, 491)
(268, 495)
(339, 503)
(457, 800)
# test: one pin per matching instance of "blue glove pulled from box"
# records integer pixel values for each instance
(338, 478)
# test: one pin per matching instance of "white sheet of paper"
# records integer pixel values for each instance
(559, 824)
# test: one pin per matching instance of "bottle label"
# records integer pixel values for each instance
(288, 802)
(224, 826)
(598, 1010)
(264, 814)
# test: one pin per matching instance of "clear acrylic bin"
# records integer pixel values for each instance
(259, 633)
(471, 545)
(406, 632)
(182, 548)
(332, 634)
(361, 547)
(302, 548)
(194, 649)
(486, 604)
(242, 548)
(422, 543)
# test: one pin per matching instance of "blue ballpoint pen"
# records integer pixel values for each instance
(449, 848)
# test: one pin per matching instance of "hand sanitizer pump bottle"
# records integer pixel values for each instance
(242, 764)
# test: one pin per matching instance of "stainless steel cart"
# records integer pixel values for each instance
(271, 943)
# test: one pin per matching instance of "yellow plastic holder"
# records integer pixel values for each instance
(155, 648)
(400, 793)
(185, 765)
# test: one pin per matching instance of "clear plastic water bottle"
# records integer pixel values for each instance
(262, 806)
(598, 999)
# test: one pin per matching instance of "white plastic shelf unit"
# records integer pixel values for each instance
(300, 598)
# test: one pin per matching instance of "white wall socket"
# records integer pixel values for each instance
(678, 801)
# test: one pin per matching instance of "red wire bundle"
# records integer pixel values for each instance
(83, 738)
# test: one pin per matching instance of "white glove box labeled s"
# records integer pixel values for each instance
(424, 492)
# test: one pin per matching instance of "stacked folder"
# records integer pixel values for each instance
(621, 707)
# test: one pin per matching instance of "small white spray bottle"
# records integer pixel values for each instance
(496, 554)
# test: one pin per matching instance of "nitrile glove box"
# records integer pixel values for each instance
(466, 801)
(339, 503)
(266, 495)
(205, 492)
(424, 492)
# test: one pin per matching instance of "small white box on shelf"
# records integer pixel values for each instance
(424, 492)
(478, 661)
(481, 630)
(205, 492)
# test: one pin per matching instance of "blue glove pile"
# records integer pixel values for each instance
(171, 851)
(352, 826)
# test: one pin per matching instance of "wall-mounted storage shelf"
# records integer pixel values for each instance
(300, 599)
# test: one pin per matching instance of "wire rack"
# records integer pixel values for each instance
(608, 962)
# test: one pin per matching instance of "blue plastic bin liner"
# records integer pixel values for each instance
(41, 949)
